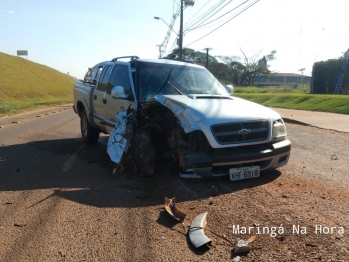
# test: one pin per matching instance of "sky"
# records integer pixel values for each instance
(72, 35)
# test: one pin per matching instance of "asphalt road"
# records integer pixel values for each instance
(59, 200)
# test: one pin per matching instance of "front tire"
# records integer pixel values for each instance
(89, 133)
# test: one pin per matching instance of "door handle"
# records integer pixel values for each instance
(95, 97)
(104, 101)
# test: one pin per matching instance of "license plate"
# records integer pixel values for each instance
(244, 172)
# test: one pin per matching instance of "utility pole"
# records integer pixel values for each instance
(180, 44)
(207, 48)
(180, 47)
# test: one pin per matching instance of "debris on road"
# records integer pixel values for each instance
(19, 224)
(196, 231)
(118, 168)
(171, 209)
(251, 239)
(236, 259)
(334, 157)
(242, 246)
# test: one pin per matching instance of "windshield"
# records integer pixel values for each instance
(172, 79)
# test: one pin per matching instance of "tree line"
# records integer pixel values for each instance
(230, 69)
(242, 71)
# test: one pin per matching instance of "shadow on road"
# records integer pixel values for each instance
(82, 173)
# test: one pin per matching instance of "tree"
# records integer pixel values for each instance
(191, 55)
(246, 71)
(219, 70)
(235, 69)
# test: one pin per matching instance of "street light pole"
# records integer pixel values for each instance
(159, 18)
(180, 35)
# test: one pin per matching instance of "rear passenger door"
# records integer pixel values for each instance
(120, 75)
(99, 97)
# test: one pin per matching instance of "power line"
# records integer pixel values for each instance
(190, 29)
(208, 12)
(198, 11)
(212, 15)
(224, 23)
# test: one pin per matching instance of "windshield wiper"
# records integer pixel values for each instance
(179, 92)
(165, 82)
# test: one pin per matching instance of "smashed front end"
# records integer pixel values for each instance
(186, 121)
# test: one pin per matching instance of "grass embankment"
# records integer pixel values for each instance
(294, 98)
(25, 85)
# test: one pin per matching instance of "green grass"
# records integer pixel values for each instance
(272, 89)
(25, 85)
(310, 102)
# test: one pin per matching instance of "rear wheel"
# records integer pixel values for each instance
(89, 133)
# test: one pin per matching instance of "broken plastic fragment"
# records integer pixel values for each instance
(196, 231)
(171, 209)
(242, 246)
(117, 144)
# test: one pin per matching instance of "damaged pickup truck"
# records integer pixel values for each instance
(164, 114)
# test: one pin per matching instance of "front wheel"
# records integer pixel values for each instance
(89, 133)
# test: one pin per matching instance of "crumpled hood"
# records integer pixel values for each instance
(195, 110)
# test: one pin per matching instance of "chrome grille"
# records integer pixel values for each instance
(242, 132)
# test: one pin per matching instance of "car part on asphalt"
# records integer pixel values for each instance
(242, 246)
(196, 231)
(170, 207)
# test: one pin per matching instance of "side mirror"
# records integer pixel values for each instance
(230, 89)
(118, 92)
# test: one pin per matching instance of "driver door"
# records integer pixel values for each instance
(120, 76)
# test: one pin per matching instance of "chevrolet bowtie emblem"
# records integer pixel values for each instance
(244, 132)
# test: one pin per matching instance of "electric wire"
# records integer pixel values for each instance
(190, 29)
(224, 23)
(208, 12)
(200, 25)
(198, 12)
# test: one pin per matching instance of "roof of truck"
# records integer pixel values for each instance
(168, 61)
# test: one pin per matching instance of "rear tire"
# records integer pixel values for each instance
(89, 133)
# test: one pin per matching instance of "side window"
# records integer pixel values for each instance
(91, 73)
(88, 75)
(103, 83)
(98, 73)
(120, 77)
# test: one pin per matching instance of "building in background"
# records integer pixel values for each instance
(283, 79)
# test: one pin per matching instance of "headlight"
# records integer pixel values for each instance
(279, 131)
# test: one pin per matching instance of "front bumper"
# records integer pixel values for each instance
(217, 162)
